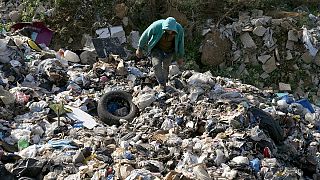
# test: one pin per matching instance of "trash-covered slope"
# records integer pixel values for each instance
(203, 127)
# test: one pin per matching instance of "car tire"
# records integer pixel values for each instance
(268, 124)
(110, 118)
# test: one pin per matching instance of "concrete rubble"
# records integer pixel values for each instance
(279, 45)
(204, 127)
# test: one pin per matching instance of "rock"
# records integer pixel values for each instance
(293, 36)
(307, 58)
(284, 87)
(270, 65)
(247, 41)
(15, 16)
(121, 10)
(214, 49)
(88, 57)
(264, 58)
(259, 30)
(290, 45)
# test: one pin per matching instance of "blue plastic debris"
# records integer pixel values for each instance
(306, 104)
(255, 164)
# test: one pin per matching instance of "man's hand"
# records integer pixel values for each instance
(139, 53)
(180, 62)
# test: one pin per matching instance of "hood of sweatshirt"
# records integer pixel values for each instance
(170, 24)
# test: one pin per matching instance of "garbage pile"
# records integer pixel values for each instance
(283, 47)
(74, 115)
(203, 127)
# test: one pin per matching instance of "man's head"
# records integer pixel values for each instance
(170, 25)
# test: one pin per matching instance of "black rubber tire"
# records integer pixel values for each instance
(268, 124)
(108, 117)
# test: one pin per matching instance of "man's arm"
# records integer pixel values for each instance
(144, 39)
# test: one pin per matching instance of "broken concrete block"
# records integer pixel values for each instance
(259, 30)
(264, 58)
(103, 33)
(118, 32)
(115, 31)
(276, 22)
(293, 36)
(284, 87)
(247, 41)
(290, 45)
(270, 65)
(306, 57)
(134, 39)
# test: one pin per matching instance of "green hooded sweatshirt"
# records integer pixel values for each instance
(154, 32)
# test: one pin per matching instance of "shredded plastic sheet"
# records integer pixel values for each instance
(306, 36)
(79, 115)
